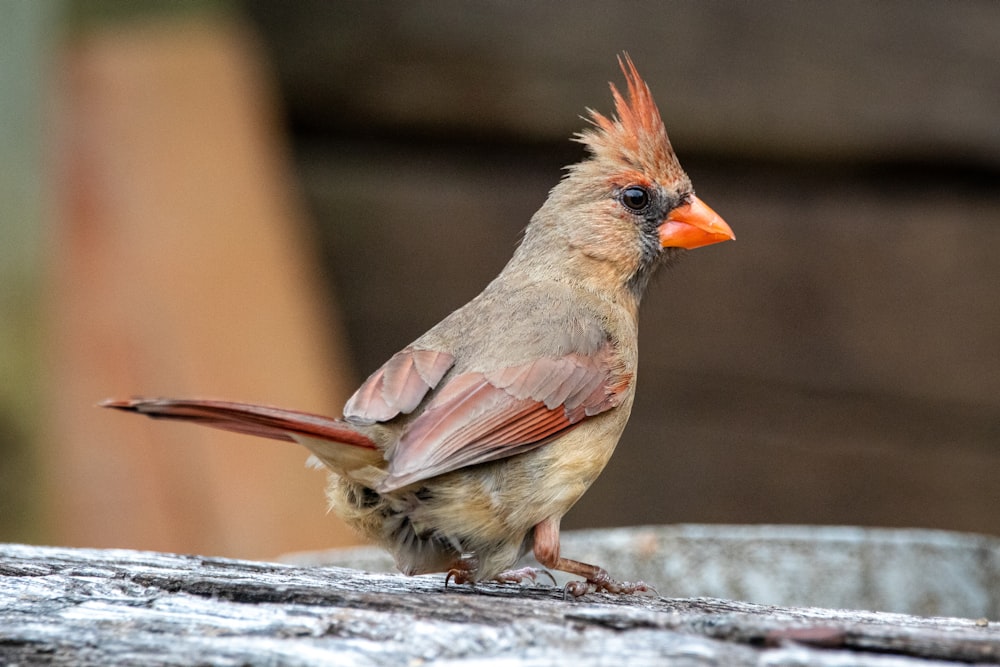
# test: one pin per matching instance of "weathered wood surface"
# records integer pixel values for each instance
(916, 572)
(98, 607)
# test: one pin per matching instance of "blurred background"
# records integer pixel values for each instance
(264, 200)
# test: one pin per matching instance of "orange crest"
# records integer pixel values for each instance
(635, 135)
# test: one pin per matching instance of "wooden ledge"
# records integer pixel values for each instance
(99, 607)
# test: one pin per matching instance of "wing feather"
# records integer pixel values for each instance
(402, 386)
(399, 386)
(477, 417)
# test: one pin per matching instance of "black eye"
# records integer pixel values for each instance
(635, 197)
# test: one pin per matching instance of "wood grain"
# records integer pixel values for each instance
(92, 607)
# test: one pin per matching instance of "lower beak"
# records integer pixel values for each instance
(693, 225)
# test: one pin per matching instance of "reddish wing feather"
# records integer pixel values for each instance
(398, 386)
(480, 417)
(431, 365)
(402, 386)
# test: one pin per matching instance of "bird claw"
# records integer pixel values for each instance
(598, 580)
(467, 576)
(603, 583)
(519, 575)
(460, 576)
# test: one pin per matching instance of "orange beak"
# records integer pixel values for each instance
(694, 225)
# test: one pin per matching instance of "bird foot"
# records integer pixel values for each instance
(603, 583)
(521, 574)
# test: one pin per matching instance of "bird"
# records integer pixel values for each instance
(463, 452)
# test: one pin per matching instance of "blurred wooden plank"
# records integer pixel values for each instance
(819, 80)
(181, 266)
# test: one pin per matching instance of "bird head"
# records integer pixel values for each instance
(629, 207)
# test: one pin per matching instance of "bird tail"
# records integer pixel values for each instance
(259, 420)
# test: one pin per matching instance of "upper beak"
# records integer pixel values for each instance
(694, 225)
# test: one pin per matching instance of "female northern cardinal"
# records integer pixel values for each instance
(466, 448)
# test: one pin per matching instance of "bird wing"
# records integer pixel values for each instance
(481, 416)
(398, 386)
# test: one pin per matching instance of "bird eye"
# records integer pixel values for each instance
(635, 197)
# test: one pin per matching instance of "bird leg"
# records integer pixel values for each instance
(597, 579)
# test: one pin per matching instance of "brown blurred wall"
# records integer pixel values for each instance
(839, 363)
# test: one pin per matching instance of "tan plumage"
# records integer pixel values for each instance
(467, 447)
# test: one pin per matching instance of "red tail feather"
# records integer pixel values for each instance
(259, 420)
